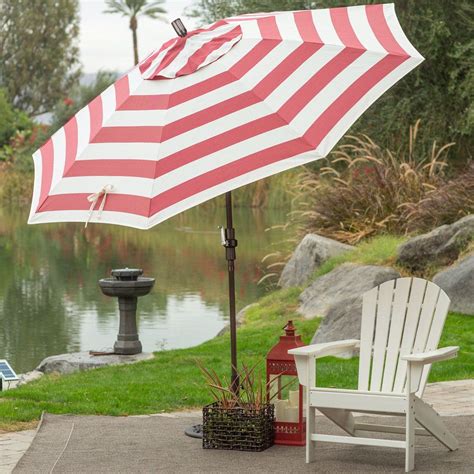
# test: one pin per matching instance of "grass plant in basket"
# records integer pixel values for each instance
(239, 420)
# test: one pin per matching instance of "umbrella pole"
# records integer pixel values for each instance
(230, 244)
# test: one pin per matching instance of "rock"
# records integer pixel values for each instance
(310, 254)
(29, 377)
(341, 286)
(239, 318)
(441, 246)
(342, 321)
(77, 361)
(458, 282)
(337, 296)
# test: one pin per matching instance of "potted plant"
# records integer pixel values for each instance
(239, 420)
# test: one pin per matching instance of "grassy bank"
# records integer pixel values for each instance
(172, 380)
(380, 250)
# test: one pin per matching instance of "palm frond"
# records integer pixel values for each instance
(117, 6)
(134, 8)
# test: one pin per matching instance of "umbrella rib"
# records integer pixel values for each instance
(152, 194)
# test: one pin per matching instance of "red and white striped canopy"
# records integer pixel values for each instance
(229, 104)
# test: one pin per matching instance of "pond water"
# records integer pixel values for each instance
(50, 302)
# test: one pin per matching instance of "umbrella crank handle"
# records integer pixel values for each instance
(223, 237)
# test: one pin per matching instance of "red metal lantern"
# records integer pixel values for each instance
(285, 391)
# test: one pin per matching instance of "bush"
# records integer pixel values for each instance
(11, 120)
(16, 164)
(22, 145)
(365, 190)
(16, 187)
(450, 202)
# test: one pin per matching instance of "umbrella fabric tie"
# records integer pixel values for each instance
(94, 198)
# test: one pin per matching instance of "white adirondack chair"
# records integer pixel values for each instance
(402, 321)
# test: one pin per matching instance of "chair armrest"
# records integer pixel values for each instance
(444, 353)
(325, 349)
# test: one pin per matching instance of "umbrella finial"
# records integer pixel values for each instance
(179, 27)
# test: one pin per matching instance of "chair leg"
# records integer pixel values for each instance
(432, 422)
(410, 435)
(310, 429)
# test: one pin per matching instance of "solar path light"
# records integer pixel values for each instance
(127, 285)
(7, 374)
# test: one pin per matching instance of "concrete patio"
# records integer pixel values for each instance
(450, 399)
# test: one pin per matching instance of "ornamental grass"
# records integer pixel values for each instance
(448, 203)
(365, 190)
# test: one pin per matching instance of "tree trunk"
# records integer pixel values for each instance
(133, 27)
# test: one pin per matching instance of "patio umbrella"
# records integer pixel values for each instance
(217, 108)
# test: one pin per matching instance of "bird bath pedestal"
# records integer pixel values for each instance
(127, 285)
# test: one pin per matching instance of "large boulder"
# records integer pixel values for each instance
(310, 254)
(337, 296)
(341, 322)
(77, 361)
(458, 282)
(340, 286)
(441, 246)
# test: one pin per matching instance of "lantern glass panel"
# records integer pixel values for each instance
(285, 393)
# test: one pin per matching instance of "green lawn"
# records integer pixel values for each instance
(380, 250)
(172, 380)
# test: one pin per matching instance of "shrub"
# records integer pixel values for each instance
(16, 170)
(11, 120)
(365, 190)
(450, 202)
(16, 187)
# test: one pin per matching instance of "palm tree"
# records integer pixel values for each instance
(132, 9)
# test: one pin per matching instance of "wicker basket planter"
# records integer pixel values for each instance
(242, 429)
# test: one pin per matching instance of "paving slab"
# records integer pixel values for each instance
(12, 447)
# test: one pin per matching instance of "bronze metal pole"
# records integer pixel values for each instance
(230, 244)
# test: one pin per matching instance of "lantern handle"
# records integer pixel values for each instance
(289, 328)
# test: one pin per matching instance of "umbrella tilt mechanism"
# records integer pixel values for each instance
(229, 242)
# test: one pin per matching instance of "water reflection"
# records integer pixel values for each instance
(50, 302)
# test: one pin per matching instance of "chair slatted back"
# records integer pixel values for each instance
(399, 317)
